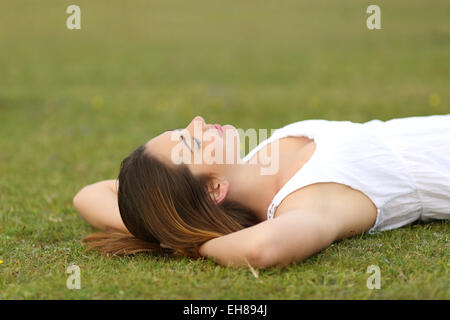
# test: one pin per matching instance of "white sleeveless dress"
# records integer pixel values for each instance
(402, 165)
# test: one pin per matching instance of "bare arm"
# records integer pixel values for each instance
(309, 225)
(97, 204)
(290, 237)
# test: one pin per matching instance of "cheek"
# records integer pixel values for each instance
(213, 147)
(195, 169)
(231, 146)
(204, 169)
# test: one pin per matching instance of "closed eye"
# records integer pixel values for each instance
(185, 142)
(198, 142)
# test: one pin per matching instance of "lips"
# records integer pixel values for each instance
(219, 128)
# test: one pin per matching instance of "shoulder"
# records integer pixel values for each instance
(350, 209)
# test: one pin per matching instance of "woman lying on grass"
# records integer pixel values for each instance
(333, 180)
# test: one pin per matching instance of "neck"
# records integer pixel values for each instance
(252, 189)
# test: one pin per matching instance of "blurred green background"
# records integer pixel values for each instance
(74, 103)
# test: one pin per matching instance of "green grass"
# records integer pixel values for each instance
(73, 104)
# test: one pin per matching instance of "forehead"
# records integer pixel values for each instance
(162, 145)
(154, 143)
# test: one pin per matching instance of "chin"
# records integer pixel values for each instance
(230, 128)
(229, 131)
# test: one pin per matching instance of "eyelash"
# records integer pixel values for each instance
(196, 141)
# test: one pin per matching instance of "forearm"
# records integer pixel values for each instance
(293, 236)
(226, 254)
(97, 204)
(245, 247)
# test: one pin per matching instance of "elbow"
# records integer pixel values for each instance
(255, 258)
(261, 256)
(83, 206)
(78, 200)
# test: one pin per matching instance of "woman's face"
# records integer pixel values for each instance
(204, 148)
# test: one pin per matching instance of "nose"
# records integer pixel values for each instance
(197, 121)
(199, 118)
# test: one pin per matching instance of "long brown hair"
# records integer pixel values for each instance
(167, 204)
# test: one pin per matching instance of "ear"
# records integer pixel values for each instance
(218, 189)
